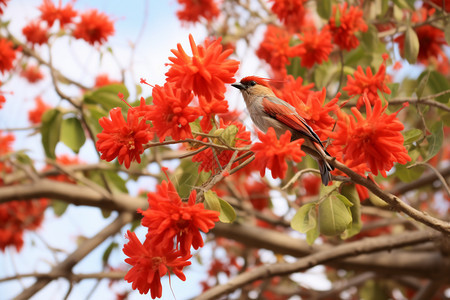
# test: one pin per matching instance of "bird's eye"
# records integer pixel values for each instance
(252, 83)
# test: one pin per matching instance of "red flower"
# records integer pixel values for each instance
(272, 153)
(2, 2)
(291, 12)
(6, 143)
(206, 72)
(7, 55)
(349, 22)
(258, 194)
(193, 10)
(17, 216)
(35, 115)
(50, 13)
(368, 85)
(294, 90)
(35, 34)
(150, 264)
(375, 140)
(170, 113)
(168, 218)
(103, 79)
(209, 109)
(32, 74)
(94, 27)
(209, 158)
(2, 100)
(311, 183)
(431, 40)
(122, 139)
(274, 48)
(315, 48)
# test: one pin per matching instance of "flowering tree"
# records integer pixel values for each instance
(254, 200)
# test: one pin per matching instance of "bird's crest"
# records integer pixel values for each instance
(258, 80)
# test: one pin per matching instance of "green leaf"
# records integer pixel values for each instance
(324, 9)
(334, 217)
(422, 84)
(411, 49)
(92, 114)
(108, 251)
(435, 139)
(438, 83)
(370, 38)
(411, 136)
(50, 131)
(212, 201)
(227, 213)
(107, 96)
(72, 134)
(59, 207)
(116, 181)
(312, 235)
(404, 4)
(406, 174)
(350, 193)
(229, 135)
(305, 218)
(185, 177)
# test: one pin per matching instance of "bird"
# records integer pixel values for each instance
(267, 110)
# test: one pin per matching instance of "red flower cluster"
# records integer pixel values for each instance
(274, 49)
(32, 73)
(35, 34)
(2, 3)
(194, 10)
(122, 139)
(315, 47)
(210, 158)
(374, 141)
(170, 113)
(344, 24)
(35, 115)
(290, 12)
(150, 264)
(367, 86)
(272, 153)
(7, 55)
(94, 27)
(103, 79)
(205, 73)
(18, 216)
(173, 227)
(431, 40)
(50, 13)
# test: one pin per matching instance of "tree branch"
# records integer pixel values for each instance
(333, 253)
(394, 201)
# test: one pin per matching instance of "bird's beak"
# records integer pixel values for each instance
(238, 85)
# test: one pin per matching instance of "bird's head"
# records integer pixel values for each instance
(253, 86)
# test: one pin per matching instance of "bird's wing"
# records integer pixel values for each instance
(286, 114)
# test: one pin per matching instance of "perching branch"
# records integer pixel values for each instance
(394, 201)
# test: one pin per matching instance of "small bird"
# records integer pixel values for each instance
(267, 110)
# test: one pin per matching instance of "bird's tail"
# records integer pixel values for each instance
(325, 170)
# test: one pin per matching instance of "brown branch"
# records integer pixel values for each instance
(84, 249)
(392, 200)
(113, 275)
(71, 193)
(346, 250)
(426, 179)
